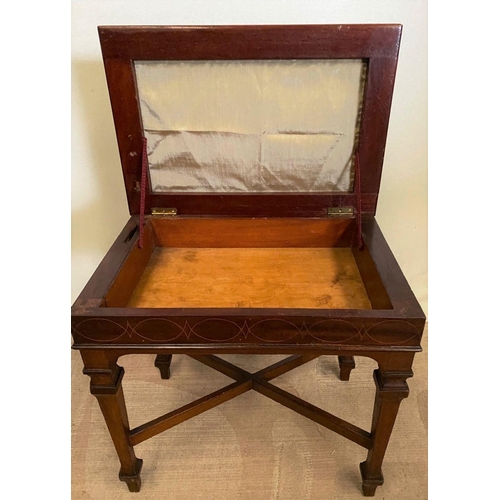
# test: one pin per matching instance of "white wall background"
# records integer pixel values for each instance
(99, 207)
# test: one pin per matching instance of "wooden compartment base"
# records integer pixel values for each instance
(316, 278)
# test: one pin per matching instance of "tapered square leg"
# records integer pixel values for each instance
(346, 364)
(391, 389)
(106, 385)
(162, 362)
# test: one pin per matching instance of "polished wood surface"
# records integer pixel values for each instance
(163, 362)
(252, 233)
(396, 327)
(346, 365)
(208, 286)
(106, 385)
(250, 41)
(124, 283)
(391, 389)
(377, 43)
(251, 277)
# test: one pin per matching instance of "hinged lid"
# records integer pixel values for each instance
(163, 212)
(251, 120)
(347, 212)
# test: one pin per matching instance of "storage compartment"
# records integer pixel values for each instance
(248, 263)
(251, 277)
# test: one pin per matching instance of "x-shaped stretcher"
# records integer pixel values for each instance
(246, 381)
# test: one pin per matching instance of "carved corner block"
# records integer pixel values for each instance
(392, 385)
(105, 381)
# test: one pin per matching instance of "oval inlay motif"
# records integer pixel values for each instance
(391, 331)
(274, 330)
(333, 331)
(100, 330)
(158, 330)
(217, 330)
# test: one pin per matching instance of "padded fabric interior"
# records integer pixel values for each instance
(250, 126)
(317, 278)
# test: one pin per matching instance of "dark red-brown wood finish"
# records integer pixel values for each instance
(104, 328)
(378, 44)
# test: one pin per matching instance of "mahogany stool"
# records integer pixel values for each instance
(293, 269)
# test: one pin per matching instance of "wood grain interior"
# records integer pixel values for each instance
(181, 232)
(317, 278)
(126, 280)
(374, 286)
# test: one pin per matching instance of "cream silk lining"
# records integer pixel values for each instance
(250, 126)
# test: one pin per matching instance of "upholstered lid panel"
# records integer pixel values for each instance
(250, 126)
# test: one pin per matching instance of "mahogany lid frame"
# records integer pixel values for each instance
(377, 44)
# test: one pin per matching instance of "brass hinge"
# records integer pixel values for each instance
(346, 212)
(164, 212)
